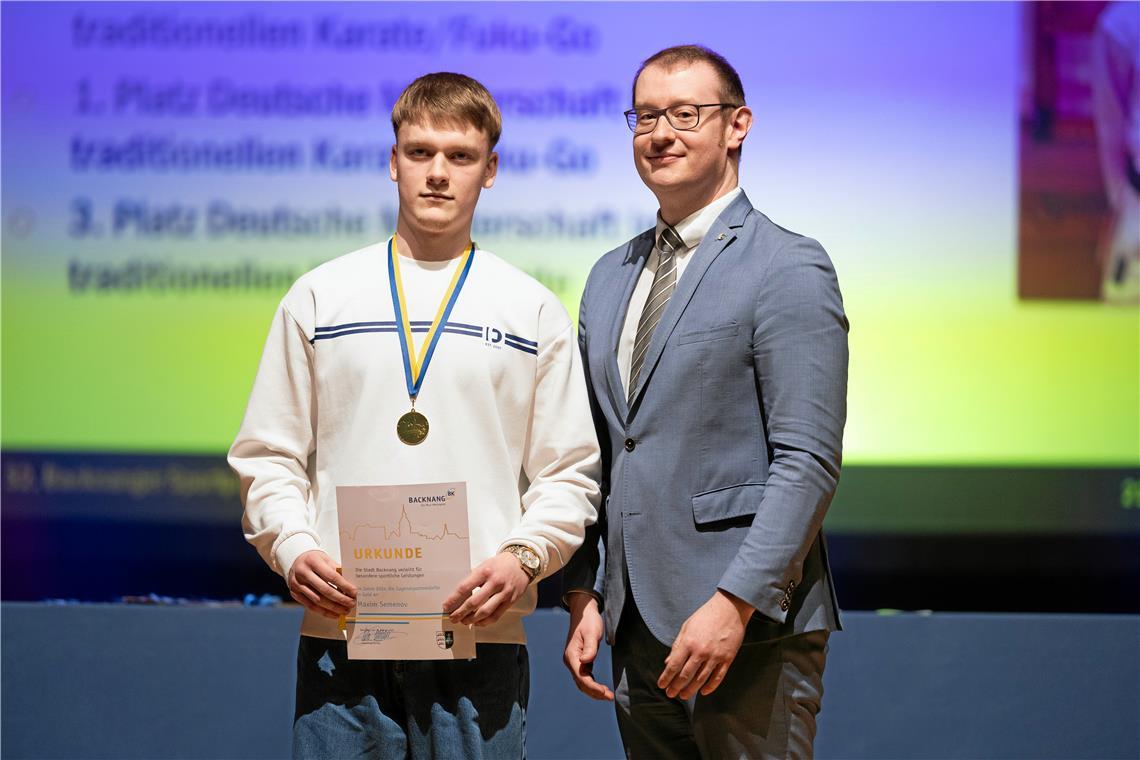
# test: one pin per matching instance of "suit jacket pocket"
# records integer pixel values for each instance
(731, 503)
(712, 333)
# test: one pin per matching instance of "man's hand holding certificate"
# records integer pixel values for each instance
(488, 592)
(406, 549)
(315, 582)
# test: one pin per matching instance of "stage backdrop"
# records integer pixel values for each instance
(170, 168)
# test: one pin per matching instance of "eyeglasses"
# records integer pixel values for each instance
(683, 117)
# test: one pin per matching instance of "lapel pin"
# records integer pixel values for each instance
(720, 236)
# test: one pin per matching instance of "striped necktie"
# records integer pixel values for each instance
(664, 283)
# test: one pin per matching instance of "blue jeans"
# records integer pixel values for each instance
(379, 709)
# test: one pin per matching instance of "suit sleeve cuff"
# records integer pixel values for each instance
(771, 601)
(565, 601)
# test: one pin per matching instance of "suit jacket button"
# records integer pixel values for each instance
(784, 605)
(630, 444)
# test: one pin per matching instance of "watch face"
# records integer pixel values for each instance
(527, 557)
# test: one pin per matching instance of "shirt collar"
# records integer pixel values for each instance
(693, 227)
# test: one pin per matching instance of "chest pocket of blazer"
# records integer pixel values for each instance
(729, 503)
(712, 333)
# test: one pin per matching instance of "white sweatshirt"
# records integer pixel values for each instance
(504, 394)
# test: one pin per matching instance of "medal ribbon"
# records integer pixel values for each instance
(415, 367)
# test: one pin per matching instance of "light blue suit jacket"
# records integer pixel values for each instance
(720, 471)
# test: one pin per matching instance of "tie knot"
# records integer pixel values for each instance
(669, 241)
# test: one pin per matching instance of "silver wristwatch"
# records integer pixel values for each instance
(530, 561)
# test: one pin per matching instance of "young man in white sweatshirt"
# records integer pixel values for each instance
(509, 415)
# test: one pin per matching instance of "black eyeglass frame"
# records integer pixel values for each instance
(631, 119)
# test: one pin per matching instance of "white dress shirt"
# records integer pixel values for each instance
(692, 230)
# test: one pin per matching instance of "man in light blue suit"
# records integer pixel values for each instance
(716, 351)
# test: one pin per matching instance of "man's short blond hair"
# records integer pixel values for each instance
(445, 98)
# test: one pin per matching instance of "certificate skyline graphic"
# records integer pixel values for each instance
(390, 533)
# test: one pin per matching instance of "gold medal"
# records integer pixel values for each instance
(412, 428)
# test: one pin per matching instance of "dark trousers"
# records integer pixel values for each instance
(765, 707)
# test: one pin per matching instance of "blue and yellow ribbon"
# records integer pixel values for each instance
(415, 366)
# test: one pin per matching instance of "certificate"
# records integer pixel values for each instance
(406, 548)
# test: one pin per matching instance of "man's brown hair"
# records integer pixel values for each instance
(445, 98)
(731, 90)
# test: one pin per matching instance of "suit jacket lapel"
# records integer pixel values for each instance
(720, 235)
(639, 249)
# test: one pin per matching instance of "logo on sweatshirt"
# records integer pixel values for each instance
(496, 338)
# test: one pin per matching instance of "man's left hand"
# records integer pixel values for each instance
(705, 647)
(483, 596)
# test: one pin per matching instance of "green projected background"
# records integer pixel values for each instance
(952, 375)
